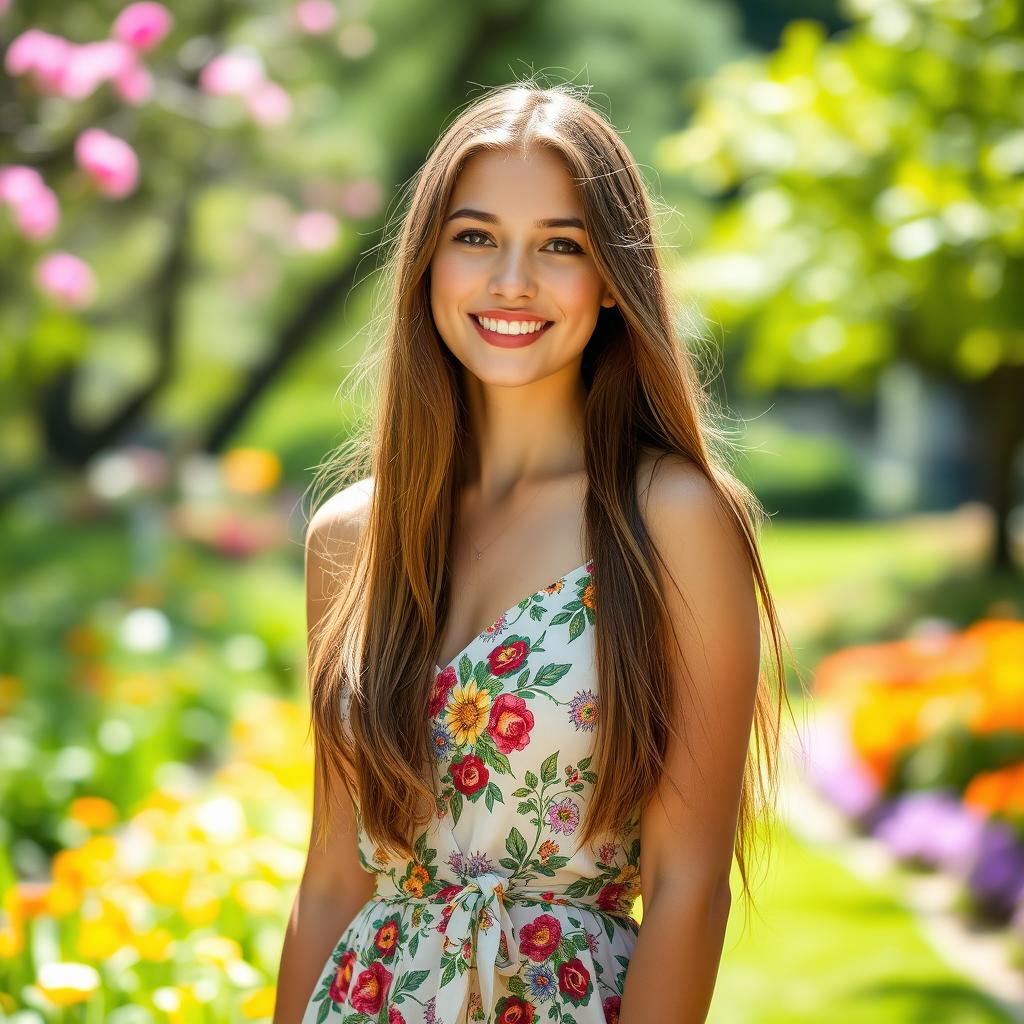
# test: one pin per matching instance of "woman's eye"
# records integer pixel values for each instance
(464, 236)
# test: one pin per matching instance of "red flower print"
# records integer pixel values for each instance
(342, 977)
(510, 723)
(386, 939)
(611, 1009)
(371, 988)
(443, 684)
(507, 657)
(539, 939)
(442, 925)
(447, 893)
(395, 1016)
(513, 1010)
(574, 982)
(613, 897)
(469, 775)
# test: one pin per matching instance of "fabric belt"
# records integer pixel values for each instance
(479, 919)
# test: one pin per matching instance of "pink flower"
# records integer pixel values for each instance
(67, 279)
(315, 16)
(91, 64)
(38, 216)
(34, 203)
(269, 104)
(41, 53)
(315, 230)
(134, 85)
(142, 25)
(109, 161)
(231, 74)
(563, 816)
(361, 197)
(510, 723)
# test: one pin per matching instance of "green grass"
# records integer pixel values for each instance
(823, 945)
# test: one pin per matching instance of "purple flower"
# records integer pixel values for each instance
(931, 827)
(455, 861)
(584, 710)
(564, 816)
(835, 770)
(996, 879)
(478, 864)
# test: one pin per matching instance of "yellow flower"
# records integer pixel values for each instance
(259, 1003)
(466, 714)
(93, 812)
(65, 984)
(217, 950)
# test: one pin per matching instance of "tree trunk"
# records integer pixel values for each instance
(1002, 406)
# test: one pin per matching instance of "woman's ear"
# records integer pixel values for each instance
(608, 301)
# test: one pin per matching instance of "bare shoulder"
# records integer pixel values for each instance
(331, 539)
(697, 537)
(335, 526)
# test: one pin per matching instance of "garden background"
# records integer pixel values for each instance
(192, 200)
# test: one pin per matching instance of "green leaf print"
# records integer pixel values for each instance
(549, 769)
(516, 844)
(455, 804)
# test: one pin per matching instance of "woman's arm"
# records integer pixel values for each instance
(687, 842)
(334, 884)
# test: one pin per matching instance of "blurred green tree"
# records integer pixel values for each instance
(241, 244)
(871, 208)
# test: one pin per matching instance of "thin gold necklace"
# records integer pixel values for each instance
(480, 551)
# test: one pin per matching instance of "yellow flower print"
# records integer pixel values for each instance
(588, 596)
(466, 714)
(628, 877)
(418, 877)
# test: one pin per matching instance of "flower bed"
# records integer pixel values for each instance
(920, 743)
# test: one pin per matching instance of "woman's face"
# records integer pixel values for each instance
(495, 259)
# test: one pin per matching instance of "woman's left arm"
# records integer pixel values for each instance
(687, 835)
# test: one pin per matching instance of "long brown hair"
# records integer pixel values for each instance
(377, 646)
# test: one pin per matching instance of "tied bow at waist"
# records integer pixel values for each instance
(477, 917)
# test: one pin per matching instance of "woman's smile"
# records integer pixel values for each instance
(517, 333)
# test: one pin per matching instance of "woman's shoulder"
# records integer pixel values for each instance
(340, 519)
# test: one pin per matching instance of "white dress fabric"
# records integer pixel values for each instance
(502, 917)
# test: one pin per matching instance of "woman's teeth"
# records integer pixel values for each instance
(511, 326)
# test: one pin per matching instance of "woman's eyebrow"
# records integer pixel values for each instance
(490, 218)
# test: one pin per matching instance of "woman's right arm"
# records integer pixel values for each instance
(334, 885)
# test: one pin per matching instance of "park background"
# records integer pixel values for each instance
(192, 202)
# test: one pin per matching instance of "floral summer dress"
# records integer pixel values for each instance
(502, 917)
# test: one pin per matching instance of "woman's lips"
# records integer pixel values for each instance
(507, 340)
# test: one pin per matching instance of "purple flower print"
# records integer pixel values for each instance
(478, 864)
(564, 816)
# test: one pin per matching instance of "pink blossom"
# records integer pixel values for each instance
(35, 206)
(315, 16)
(18, 183)
(134, 85)
(41, 53)
(270, 105)
(231, 74)
(361, 197)
(142, 25)
(67, 279)
(109, 161)
(38, 216)
(91, 64)
(315, 230)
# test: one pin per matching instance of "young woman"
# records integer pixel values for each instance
(534, 633)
